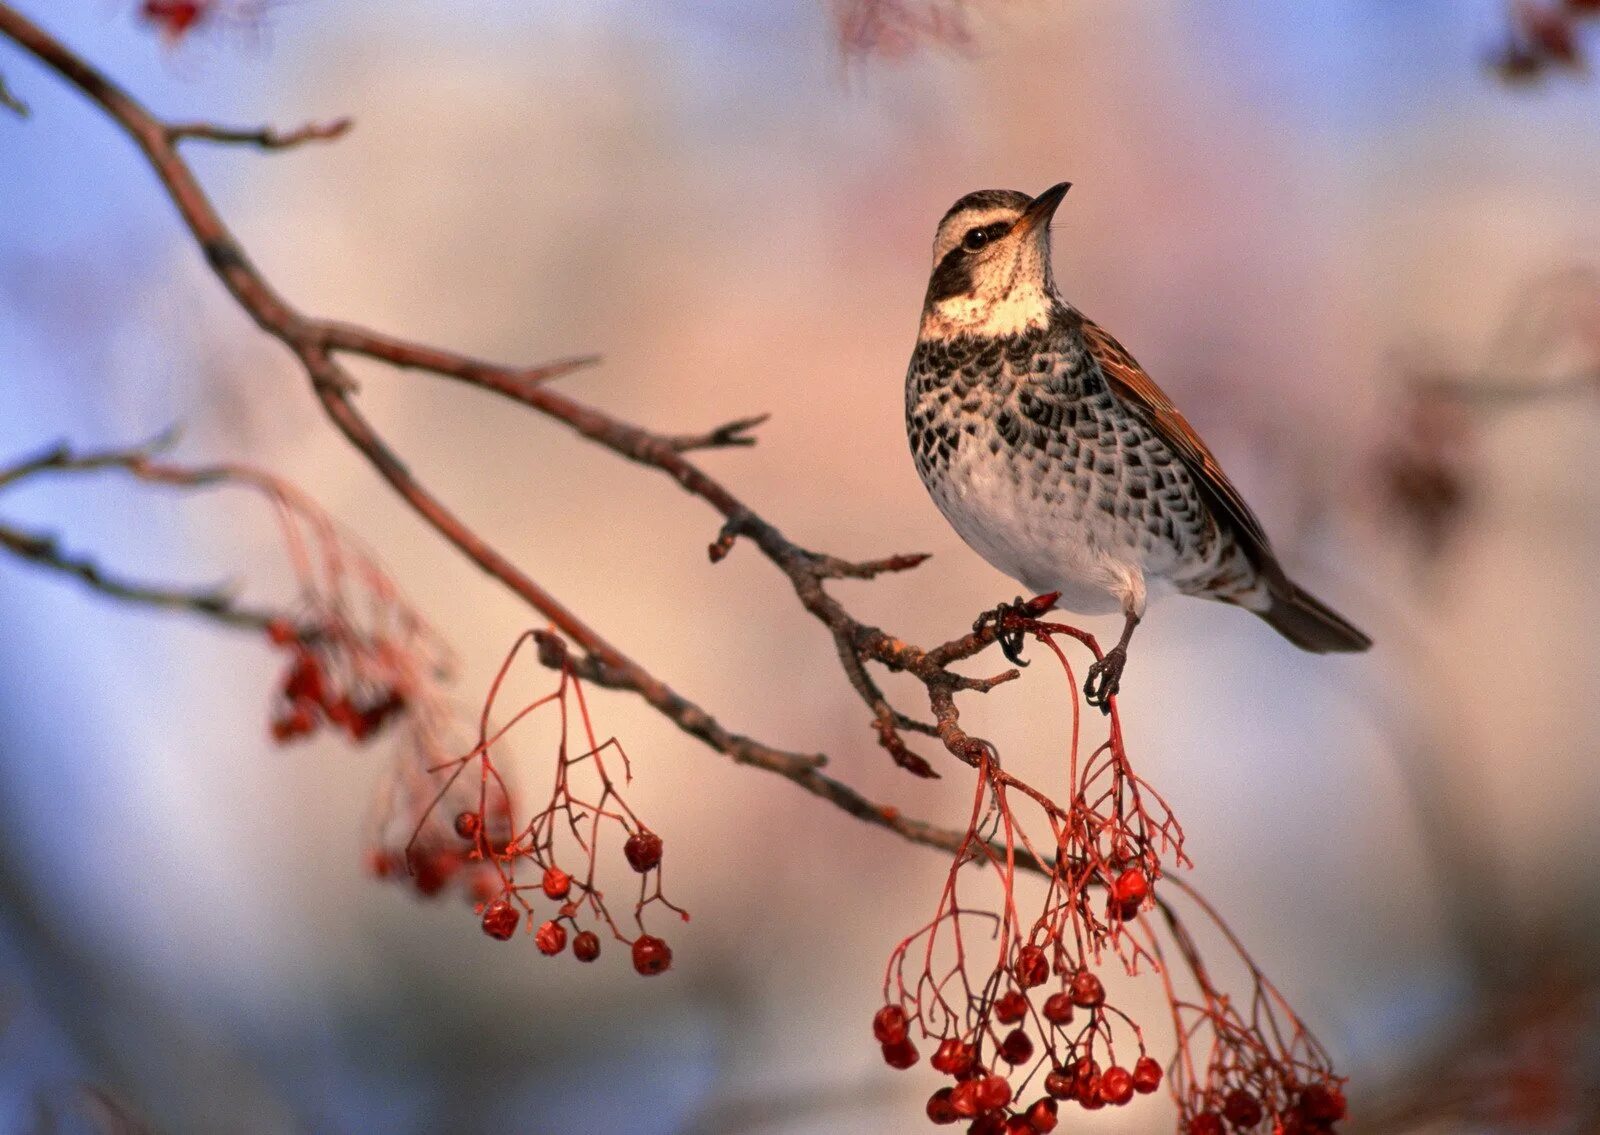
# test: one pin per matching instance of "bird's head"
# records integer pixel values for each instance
(991, 265)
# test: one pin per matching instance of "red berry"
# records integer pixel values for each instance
(556, 883)
(586, 946)
(1084, 1068)
(994, 1092)
(901, 1054)
(1132, 886)
(1146, 1076)
(500, 919)
(1060, 1084)
(889, 1024)
(1089, 1094)
(953, 1057)
(643, 850)
(1016, 1048)
(551, 938)
(1058, 1009)
(296, 721)
(1010, 1008)
(964, 1098)
(1322, 1103)
(1031, 968)
(1116, 1086)
(989, 1123)
(651, 955)
(468, 825)
(1241, 1109)
(1018, 1125)
(1206, 1123)
(940, 1109)
(1087, 990)
(1042, 1116)
(383, 863)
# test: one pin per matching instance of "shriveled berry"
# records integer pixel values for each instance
(1060, 1084)
(1058, 1009)
(1032, 967)
(1116, 1086)
(1016, 1048)
(989, 1123)
(1322, 1103)
(556, 883)
(901, 1054)
(889, 1024)
(953, 1057)
(994, 1092)
(643, 851)
(1206, 1123)
(1086, 990)
(1089, 1094)
(964, 1098)
(500, 919)
(1146, 1075)
(551, 938)
(586, 946)
(1018, 1125)
(468, 825)
(940, 1109)
(1084, 1069)
(1241, 1109)
(1042, 1116)
(651, 955)
(1010, 1008)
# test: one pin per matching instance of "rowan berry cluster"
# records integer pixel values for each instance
(323, 686)
(542, 875)
(1014, 1010)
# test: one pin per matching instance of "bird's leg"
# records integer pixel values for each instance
(1010, 641)
(1105, 676)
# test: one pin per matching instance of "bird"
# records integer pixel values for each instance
(1056, 457)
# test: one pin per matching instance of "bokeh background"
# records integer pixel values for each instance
(1287, 212)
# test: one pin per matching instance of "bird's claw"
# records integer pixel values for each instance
(1010, 641)
(1104, 678)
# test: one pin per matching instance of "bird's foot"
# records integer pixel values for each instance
(1104, 679)
(1010, 641)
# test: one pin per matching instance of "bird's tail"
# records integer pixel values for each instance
(1309, 623)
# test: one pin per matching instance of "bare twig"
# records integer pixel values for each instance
(262, 137)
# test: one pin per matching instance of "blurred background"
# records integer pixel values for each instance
(1352, 254)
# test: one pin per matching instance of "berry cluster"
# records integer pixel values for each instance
(1026, 1028)
(1541, 36)
(559, 845)
(324, 686)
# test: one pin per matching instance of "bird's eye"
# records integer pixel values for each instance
(975, 239)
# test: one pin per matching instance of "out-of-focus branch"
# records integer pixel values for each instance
(263, 137)
(10, 101)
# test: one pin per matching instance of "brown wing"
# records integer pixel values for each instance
(1139, 393)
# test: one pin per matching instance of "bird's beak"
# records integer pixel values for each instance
(1039, 211)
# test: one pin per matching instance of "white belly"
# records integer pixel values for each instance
(1067, 545)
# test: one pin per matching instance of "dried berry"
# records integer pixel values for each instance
(500, 919)
(586, 946)
(643, 851)
(1206, 1123)
(1058, 1009)
(1060, 1085)
(889, 1024)
(1131, 887)
(651, 955)
(468, 825)
(994, 1092)
(952, 1057)
(1322, 1104)
(1010, 1008)
(1031, 968)
(1016, 1048)
(1116, 1086)
(551, 938)
(1042, 1116)
(1146, 1076)
(1087, 990)
(964, 1098)
(940, 1109)
(556, 883)
(901, 1054)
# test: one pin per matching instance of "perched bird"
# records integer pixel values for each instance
(1057, 458)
